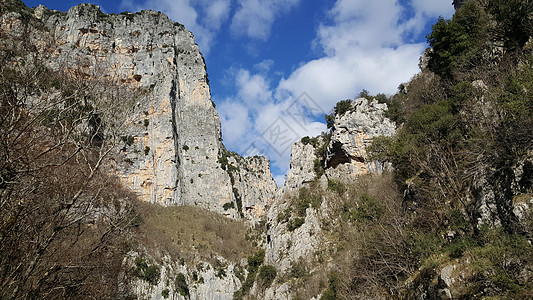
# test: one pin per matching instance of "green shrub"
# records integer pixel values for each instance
(343, 107)
(334, 285)
(457, 248)
(336, 186)
(284, 216)
(307, 197)
(221, 273)
(266, 275)
(165, 293)
(228, 205)
(185, 147)
(152, 274)
(127, 139)
(369, 209)
(181, 285)
(146, 150)
(295, 223)
(256, 260)
(149, 273)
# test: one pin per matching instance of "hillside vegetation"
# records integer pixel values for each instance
(463, 153)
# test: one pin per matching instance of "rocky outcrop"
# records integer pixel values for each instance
(178, 280)
(351, 134)
(301, 170)
(171, 149)
(345, 156)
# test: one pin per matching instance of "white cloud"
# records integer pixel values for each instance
(216, 12)
(364, 48)
(236, 120)
(254, 18)
(255, 118)
(252, 88)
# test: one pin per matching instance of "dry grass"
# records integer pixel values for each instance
(192, 233)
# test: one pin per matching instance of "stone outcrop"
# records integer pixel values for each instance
(351, 134)
(346, 156)
(172, 145)
(301, 170)
(179, 280)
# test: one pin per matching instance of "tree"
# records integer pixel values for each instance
(64, 220)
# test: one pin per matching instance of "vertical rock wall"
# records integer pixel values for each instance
(171, 150)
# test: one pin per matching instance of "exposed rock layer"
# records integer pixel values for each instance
(171, 152)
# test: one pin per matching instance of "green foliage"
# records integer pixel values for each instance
(343, 107)
(310, 141)
(284, 216)
(500, 259)
(185, 147)
(307, 197)
(457, 43)
(127, 139)
(318, 168)
(149, 273)
(181, 285)
(459, 246)
(221, 273)
(515, 24)
(146, 122)
(256, 260)
(331, 292)
(165, 293)
(146, 150)
(330, 120)
(340, 109)
(266, 275)
(369, 209)
(295, 223)
(228, 205)
(336, 186)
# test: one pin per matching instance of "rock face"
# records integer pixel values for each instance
(181, 281)
(301, 170)
(173, 145)
(351, 134)
(345, 156)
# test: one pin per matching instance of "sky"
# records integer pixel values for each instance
(277, 66)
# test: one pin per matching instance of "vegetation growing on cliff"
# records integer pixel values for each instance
(65, 223)
(466, 127)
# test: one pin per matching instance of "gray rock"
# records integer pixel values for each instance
(351, 134)
(175, 130)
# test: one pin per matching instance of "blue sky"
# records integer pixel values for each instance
(276, 66)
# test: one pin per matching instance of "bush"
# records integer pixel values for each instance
(146, 150)
(127, 139)
(336, 186)
(152, 274)
(149, 273)
(228, 205)
(267, 274)
(256, 260)
(165, 293)
(295, 223)
(343, 107)
(369, 209)
(181, 285)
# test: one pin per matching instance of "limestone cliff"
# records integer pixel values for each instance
(172, 148)
(345, 155)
